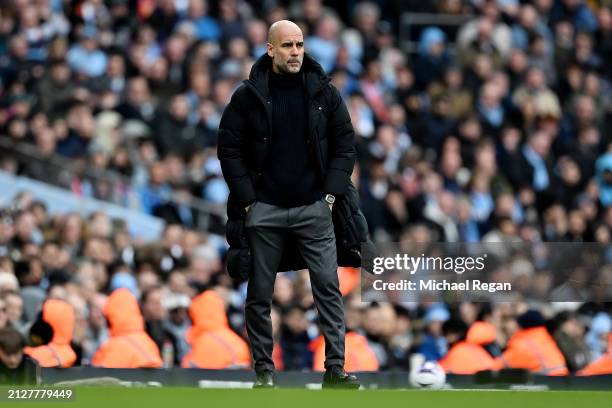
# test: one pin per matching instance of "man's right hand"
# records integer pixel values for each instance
(247, 208)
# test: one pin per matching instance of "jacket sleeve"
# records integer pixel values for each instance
(230, 151)
(342, 149)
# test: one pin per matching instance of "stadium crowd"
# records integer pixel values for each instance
(495, 130)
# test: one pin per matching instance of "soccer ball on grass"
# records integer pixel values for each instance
(428, 375)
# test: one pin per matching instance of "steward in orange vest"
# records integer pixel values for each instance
(603, 365)
(57, 353)
(358, 356)
(129, 346)
(214, 344)
(466, 353)
(533, 348)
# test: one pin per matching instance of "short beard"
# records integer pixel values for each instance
(284, 69)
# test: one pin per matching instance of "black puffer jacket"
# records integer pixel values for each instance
(243, 149)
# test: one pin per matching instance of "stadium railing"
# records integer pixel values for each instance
(411, 25)
(63, 172)
(297, 379)
(59, 201)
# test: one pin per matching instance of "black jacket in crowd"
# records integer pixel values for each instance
(26, 373)
(245, 135)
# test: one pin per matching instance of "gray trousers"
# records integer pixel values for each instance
(267, 227)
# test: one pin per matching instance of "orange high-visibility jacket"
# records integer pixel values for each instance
(534, 349)
(349, 278)
(129, 346)
(467, 358)
(214, 344)
(358, 356)
(603, 365)
(481, 333)
(58, 353)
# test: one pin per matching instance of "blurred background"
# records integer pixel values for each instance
(475, 121)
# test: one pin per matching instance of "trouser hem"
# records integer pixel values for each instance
(334, 362)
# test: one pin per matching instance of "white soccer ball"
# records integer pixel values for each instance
(428, 375)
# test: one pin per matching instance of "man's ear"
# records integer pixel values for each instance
(270, 50)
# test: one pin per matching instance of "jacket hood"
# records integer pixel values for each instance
(123, 314)
(60, 316)
(207, 312)
(313, 74)
(481, 333)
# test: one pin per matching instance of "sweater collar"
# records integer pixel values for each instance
(285, 81)
(313, 74)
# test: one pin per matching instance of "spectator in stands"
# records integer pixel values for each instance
(157, 191)
(577, 12)
(14, 310)
(569, 336)
(433, 345)
(295, 340)
(15, 367)
(85, 57)
(138, 103)
(323, 44)
(178, 322)
(4, 321)
(154, 315)
(432, 59)
(174, 132)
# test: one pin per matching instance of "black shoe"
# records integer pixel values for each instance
(265, 379)
(336, 378)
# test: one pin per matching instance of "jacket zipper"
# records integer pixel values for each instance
(266, 103)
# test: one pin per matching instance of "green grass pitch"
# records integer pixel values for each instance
(299, 398)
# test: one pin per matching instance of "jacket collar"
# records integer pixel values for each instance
(313, 76)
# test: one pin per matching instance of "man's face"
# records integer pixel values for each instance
(153, 309)
(14, 307)
(12, 361)
(286, 48)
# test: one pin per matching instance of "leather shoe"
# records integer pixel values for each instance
(336, 378)
(265, 379)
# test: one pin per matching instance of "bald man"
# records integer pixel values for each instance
(287, 152)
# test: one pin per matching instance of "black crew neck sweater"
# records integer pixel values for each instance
(289, 178)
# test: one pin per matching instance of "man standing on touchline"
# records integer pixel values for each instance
(286, 146)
